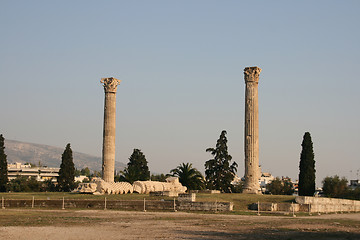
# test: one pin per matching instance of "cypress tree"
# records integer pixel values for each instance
(3, 166)
(137, 168)
(218, 171)
(66, 180)
(307, 167)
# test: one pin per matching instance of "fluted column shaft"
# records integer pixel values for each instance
(251, 140)
(108, 152)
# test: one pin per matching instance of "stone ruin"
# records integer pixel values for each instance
(99, 186)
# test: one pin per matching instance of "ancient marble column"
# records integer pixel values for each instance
(252, 171)
(108, 152)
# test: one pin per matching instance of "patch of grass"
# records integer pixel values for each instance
(241, 201)
(60, 195)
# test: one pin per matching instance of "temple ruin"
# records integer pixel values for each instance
(251, 140)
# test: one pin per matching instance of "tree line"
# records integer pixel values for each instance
(218, 175)
(220, 171)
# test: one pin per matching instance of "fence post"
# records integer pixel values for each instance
(105, 204)
(144, 206)
(174, 206)
(63, 204)
(293, 209)
(258, 208)
(216, 205)
(318, 208)
(354, 208)
(310, 209)
(32, 202)
(326, 209)
(2, 203)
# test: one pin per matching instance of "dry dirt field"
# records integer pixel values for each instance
(99, 224)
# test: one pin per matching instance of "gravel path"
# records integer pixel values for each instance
(97, 224)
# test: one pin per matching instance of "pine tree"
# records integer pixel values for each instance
(218, 171)
(307, 167)
(137, 168)
(3, 166)
(66, 180)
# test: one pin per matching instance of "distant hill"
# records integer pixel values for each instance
(50, 156)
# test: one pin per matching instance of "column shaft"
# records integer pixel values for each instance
(108, 151)
(108, 165)
(251, 141)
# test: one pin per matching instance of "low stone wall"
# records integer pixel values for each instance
(205, 191)
(187, 197)
(205, 206)
(138, 205)
(276, 207)
(324, 201)
(310, 204)
(164, 193)
(92, 204)
(321, 205)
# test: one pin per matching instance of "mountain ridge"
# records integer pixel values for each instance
(50, 156)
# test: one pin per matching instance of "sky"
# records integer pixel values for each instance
(181, 65)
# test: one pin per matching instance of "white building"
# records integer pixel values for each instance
(354, 183)
(265, 179)
(40, 173)
(81, 178)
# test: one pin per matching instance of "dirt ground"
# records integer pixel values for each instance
(99, 224)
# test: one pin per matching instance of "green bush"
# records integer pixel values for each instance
(25, 184)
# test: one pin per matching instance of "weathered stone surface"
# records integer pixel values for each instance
(205, 206)
(207, 191)
(108, 153)
(121, 204)
(172, 184)
(99, 186)
(251, 141)
(187, 197)
(173, 187)
(310, 204)
(114, 187)
(92, 204)
(321, 204)
(164, 193)
(86, 188)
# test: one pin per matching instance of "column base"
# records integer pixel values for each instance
(252, 191)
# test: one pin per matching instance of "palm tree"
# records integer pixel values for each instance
(189, 176)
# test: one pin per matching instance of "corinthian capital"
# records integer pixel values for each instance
(251, 74)
(110, 84)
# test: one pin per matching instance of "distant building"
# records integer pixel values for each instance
(236, 180)
(81, 178)
(354, 184)
(40, 173)
(296, 187)
(265, 179)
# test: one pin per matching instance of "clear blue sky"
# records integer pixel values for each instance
(181, 65)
